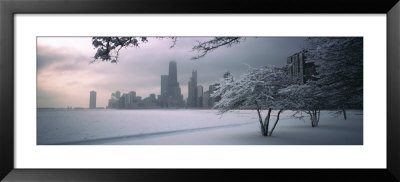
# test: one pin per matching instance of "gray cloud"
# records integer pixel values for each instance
(66, 58)
(139, 69)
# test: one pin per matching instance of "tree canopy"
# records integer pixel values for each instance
(258, 89)
(339, 62)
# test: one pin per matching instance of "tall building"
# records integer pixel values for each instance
(206, 100)
(152, 97)
(113, 103)
(127, 100)
(212, 88)
(170, 90)
(164, 90)
(118, 94)
(199, 102)
(164, 85)
(172, 77)
(192, 90)
(132, 96)
(172, 83)
(92, 101)
(122, 101)
(298, 67)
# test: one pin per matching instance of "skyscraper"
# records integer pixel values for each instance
(206, 99)
(92, 101)
(118, 94)
(164, 90)
(172, 76)
(170, 90)
(199, 97)
(172, 84)
(192, 90)
(164, 85)
(132, 96)
(297, 67)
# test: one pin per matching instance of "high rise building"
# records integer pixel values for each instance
(172, 76)
(127, 100)
(92, 101)
(206, 100)
(298, 67)
(212, 88)
(152, 97)
(164, 90)
(122, 101)
(199, 97)
(170, 90)
(118, 94)
(113, 103)
(192, 90)
(132, 96)
(164, 85)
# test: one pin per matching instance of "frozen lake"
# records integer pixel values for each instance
(190, 127)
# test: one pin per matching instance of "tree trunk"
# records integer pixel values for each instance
(314, 116)
(276, 122)
(263, 132)
(311, 117)
(344, 114)
(266, 123)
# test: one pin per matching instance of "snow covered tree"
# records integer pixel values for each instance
(339, 64)
(107, 48)
(305, 98)
(258, 90)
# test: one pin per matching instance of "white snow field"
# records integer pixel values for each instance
(191, 127)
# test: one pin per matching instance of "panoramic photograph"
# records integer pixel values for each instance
(199, 91)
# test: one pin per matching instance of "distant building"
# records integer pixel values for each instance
(297, 67)
(172, 77)
(199, 102)
(118, 94)
(192, 90)
(153, 97)
(132, 96)
(171, 95)
(122, 101)
(164, 91)
(206, 100)
(113, 102)
(127, 100)
(92, 101)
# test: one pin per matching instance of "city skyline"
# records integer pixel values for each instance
(169, 97)
(64, 72)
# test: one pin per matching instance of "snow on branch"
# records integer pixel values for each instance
(108, 47)
(207, 46)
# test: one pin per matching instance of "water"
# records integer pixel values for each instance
(74, 126)
(191, 127)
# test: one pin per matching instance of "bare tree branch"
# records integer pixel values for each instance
(204, 48)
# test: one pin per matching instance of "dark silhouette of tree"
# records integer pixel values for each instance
(339, 63)
(107, 48)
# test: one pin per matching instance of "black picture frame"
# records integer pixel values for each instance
(8, 8)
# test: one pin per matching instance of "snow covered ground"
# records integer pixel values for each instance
(190, 127)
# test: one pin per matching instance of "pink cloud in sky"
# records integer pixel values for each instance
(65, 77)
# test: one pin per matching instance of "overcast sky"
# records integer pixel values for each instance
(65, 77)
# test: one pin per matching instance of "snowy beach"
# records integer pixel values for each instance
(191, 127)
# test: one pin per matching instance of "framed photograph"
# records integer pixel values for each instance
(115, 90)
